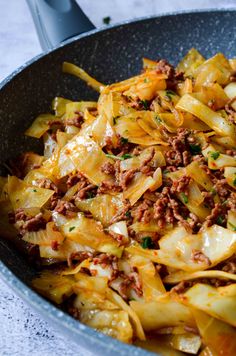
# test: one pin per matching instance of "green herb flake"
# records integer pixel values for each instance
(115, 120)
(126, 156)
(71, 228)
(213, 191)
(169, 94)
(124, 140)
(233, 227)
(214, 155)
(146, 80)
(114, 157)
(158, 119)
(166, 171)
(147, 242)
(144, 104)
(220, 220)
(234, 182)
(34, 190)
(89, 195)
(184, 197)
(194, 149)
(128, 214)
(106, 20)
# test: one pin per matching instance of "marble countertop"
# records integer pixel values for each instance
(23, 332)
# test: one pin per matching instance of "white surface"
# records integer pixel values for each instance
(22, 331)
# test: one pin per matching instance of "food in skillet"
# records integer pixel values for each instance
(131, 210)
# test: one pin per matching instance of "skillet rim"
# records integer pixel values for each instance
(106, 28)
(56, 317)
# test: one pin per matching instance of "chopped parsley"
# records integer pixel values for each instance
(128, 214)
(166, 171)
(145, 104)
(34, 190)
(146, 80)
(126, 155)
(71, 228)
(169, 94)
(213, 191)
(184, 197)
(234, 181)
(121, 158)
(124, 140)
(106, 20)
(147, 242)
(114, 157)
(215, 154)
(194, 149)
(233, 227)
(89, 195)
(115, 119)
(220, 220)
(158, 119)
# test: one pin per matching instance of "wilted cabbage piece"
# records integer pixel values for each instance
(176, 277)
(178, 247)
(54, 286)
(23, 195)
(162, 312)
(77, 153)
(218, 302)
(102, 207)
(138, 186)
(217, 335)
(214, 120)
(41, 125)
(90, 233)
(152, 284)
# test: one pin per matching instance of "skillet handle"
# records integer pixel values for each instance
(57, 20)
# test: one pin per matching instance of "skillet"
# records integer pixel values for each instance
(109, 55)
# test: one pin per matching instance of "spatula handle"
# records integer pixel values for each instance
(57, 20)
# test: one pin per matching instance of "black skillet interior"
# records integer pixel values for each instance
(109, 55)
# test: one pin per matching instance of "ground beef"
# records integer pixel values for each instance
(86, 192)
(79, 257)
(173, 158)
(208, 199)
(108, 186)
(231, 152)
(231, 201)
(167, 209)
(65, 207)
(126, 177)
(108, 168)
(212, 218)
(77, 120)
(132, 281)
(74, 312)
(76, 178)
(141, 211)
(165, 68)
(47, 184)
(199, 257)
(181, 287)
(26, 223)
(230, 267)
(222, 188)
(230, 110)
(146, 168)
(105, 260)
(181, 185)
